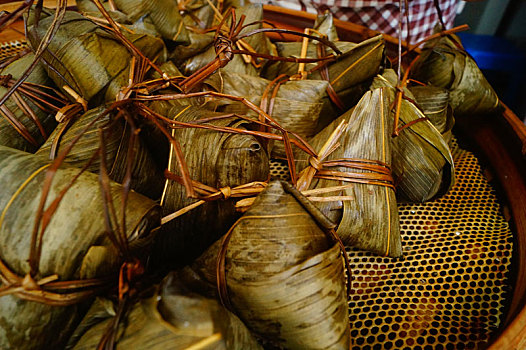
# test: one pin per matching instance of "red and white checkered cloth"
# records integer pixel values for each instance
(381, 15)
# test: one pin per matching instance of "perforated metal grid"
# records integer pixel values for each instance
(448, 290)
(279, 170)
(8, 49)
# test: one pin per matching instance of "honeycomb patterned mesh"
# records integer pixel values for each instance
(448, 291)
(8, 49)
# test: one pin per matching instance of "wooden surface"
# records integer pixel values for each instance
(501, 145)
(13, 32)
(518, 127)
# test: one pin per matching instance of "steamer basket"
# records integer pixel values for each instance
(449, 291)
(462, 281)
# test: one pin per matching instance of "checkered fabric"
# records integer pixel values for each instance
(381, 15)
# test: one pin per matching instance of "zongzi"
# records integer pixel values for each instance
(357, 64)
(173, 318)
(434, 102)
(294, 104)
(422, 162)
(90, 59)
(146, 177)
(164, 15)
(282, 273)
(216, 159)
(256, 43)
(23, 125)
(445, 63)
(74, 246)
(368, 218)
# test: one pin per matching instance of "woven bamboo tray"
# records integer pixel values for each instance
(462, 281)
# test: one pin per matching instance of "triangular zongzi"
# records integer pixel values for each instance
(368, 218)
(283, 274)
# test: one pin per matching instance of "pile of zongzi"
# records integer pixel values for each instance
(148, 218)
(74, 246)
(170, 317)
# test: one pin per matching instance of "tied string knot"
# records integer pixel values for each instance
(316, 163)
(226, 192)
(48, 290)
(224, 54)
(28, 283)
(128, 275)
(207, 193)
(223, 48)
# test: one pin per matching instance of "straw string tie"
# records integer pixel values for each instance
(226, 192)
(28, 283)
(223, 48)
(316, 163)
